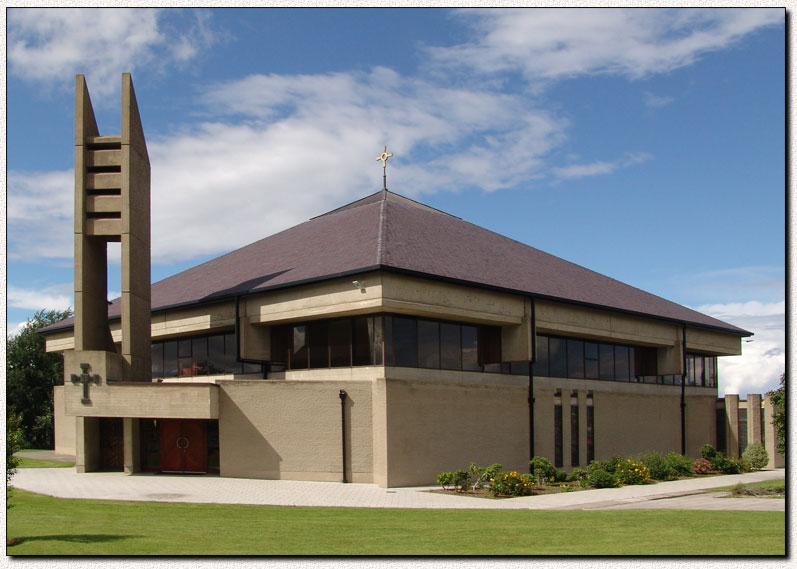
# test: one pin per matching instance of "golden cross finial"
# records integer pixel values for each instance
(384, 156)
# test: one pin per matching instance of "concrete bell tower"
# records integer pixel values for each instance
(112, 204)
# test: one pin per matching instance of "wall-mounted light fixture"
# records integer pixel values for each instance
(360, 285)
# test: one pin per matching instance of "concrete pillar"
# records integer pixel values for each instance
(87, 455)
(732, 433)
(582, 427)
(566, 435)
(754, 418)
(132, 445)
(776, 460)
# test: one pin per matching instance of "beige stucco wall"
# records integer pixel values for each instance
(285, 429)
(143, 400)
(431, 426)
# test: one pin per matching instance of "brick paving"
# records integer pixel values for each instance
(680, 494)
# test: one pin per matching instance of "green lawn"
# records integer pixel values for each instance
(51, 526)
(36, 463)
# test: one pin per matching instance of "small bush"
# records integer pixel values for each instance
(612, 463)
(600, 478)
(756, 455)
(727, 465)
(542, 469)
(483, 474)
(461, 480)
(560, 476)
(658, 466)
(708, 452)
(632, 472)
(701, 466)
(680, 465)
(512, 484)
(445, 479)
(578, 474)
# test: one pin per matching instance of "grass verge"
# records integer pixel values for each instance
(49, 526)
(764, 489)
(37, 463)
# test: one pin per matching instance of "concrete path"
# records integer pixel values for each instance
(680, 494)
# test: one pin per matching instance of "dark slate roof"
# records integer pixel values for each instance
(390, 232)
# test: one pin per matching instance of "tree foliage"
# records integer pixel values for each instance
(778, 397)
(31, 373)
(14, 442)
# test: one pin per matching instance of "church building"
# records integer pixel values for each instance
(381, 342)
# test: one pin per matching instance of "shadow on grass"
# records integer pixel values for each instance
(71, 538)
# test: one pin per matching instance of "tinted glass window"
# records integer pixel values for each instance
(216, 354)
(340, 343)
(363, 342)
(557, 357)
(470, 354)
(199, 347)
(405, 341)
(157, 360)
(318, 342)
(450, 346)
(575, 359)
(428, 344)
(621, 363)
(606, 361)
(541, 365)
(231, 364)
(170, 359)
(299, 353)
(591, 360)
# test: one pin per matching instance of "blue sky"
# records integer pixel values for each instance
(648, 145)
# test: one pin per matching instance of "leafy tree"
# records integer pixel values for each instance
(31, 373)
(779, 417)
(14, 441)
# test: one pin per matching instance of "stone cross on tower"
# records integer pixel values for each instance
(86, 378)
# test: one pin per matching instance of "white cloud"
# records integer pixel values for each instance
(763, 359)
(549, 44)
(316, 137)
(598, 168)
(656, 101)
(49, 45)
(40, 215)
(56, 297)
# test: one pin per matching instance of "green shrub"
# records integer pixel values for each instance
(445, 479)
(727, 465)
(461, 480)
(701, 466)
(481, 475)
(581, 475)
(600, 478)
(756, 455)
(632, 472)
(542, 469)
(658, 466)
(560, 476)
(612, 463)
(680, 465)
(708, 452)
(512, 484)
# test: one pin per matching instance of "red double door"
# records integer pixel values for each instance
(183, 446)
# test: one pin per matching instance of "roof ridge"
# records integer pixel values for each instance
(381, 233)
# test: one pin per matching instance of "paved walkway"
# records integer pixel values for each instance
(680, 494)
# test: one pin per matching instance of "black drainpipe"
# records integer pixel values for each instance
(342, 395)
(531, 381)
(265, 363)
(683, 396)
